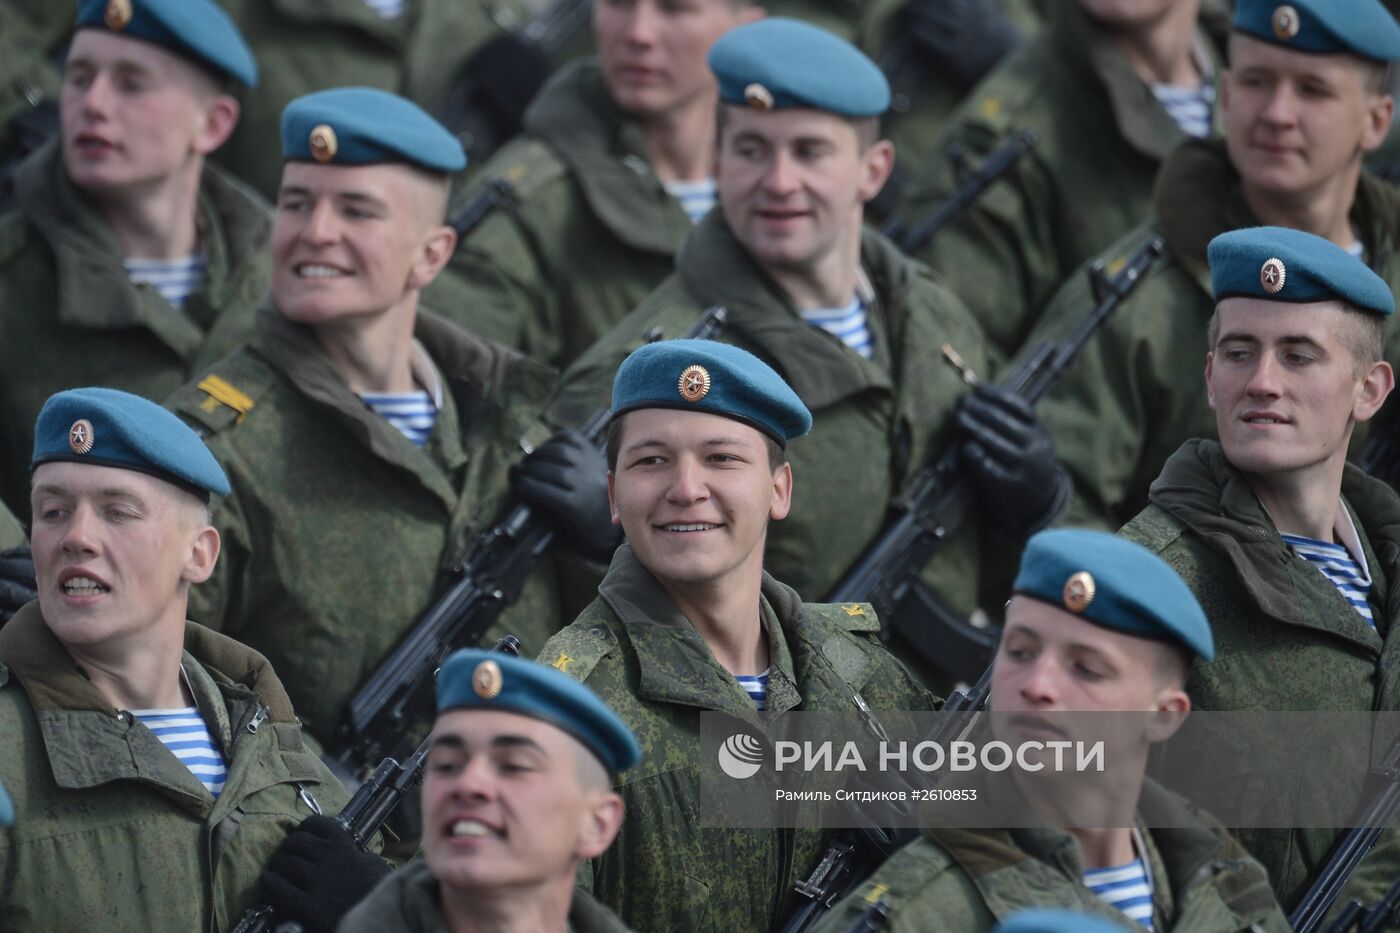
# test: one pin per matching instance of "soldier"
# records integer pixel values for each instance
(1124, 647)
(852, 325)
(129, 262)
(368, 441)
(17, 585)
(517, 793)
(698, 470)
(155, 766)
(1111, 88)
(611, 174)
(415, 48)
(1292, 552)
(1292, 157)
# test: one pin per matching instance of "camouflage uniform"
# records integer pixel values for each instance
(1285, 639)
(30, 33)
(1138, 391)
(590, 233)
(114, 833)
(1203, 881)
(11, 531)
(643, 658)
(407, 902)
(70, 316)
(1087, 182)
(309, 45)
(876, 421)
(340, 532)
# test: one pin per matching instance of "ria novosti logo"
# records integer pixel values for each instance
(741, 756)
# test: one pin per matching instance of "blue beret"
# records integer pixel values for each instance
(1115, 583)
(107, 427)
(364, 126)
(1056, 921)
(197, 29)
(477, 679)
(711, 377)
(7, 809)
(1281, 264)
(778, 62)
(1358, 27)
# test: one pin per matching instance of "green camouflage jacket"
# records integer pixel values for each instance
(590, 232)
(307, 45)
(340, 532)
(31, 31)
(967, 881)
(11, 531)
(876, 421)
(1087, 182)
(407, 902)
(69, 316)
(1138, 391)
(636, 650)
(113, 832)
(1285, 639)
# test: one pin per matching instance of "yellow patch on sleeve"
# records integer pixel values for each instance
(561, 663)
(221, 392)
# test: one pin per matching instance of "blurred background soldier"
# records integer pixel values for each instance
(517, 793)
(613, 171)
(129, 262)
(155, 765)
(17, 585)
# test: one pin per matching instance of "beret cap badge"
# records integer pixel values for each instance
(487, 680)
(1286, 22)
(758, 96)
(1079, 591)
(1272, 275)
(117, 15)
(80, 438)
(323, 143)
(694, 383)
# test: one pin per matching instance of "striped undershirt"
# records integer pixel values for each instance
(387, 9)
(848, 324)
(1189, 107)
(1125, 887)
(183, 732)
(1336, 563)
(696, 197)
(174, 279)
(756, 686)
(412, 413)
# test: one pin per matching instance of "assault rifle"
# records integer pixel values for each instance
(937, 500)
(854, 854)
(491, 195)
(1380, 456)
(31, 129)
(1383, 915)
(972, 183)
(1349, 851)
(485, 103)
(369, 809)
(489, 578)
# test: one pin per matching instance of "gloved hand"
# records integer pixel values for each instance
(1020, 486)
(17, 583)
(964, 38)
(318, 874)
(567, 477)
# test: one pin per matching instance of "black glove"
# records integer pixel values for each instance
(567, 477)
(17, 583)
(965, 38)
(1020, 486)
(318, 874)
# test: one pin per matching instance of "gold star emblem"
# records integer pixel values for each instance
(1079, 591)
(487, 680)
(1272, 275)
(1286, 22)
(854, 610)
(323, 143)
(758, 97)
(561, 663)
(117, 15)
(694, 383)
(80, 438)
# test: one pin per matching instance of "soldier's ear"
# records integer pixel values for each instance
(204, 554)
(601, 823)
(1210, 392)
